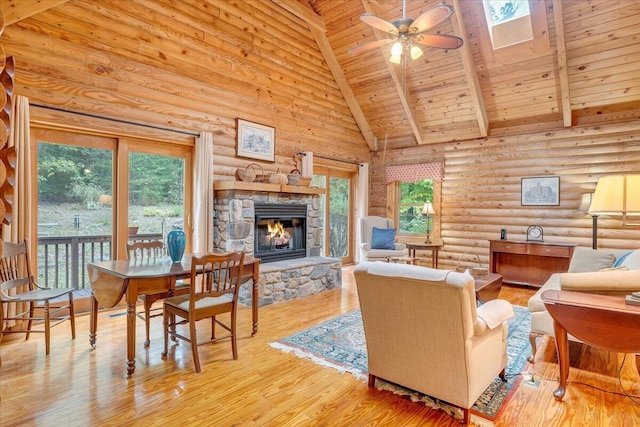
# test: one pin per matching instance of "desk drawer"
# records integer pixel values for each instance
(509, 247)
(555, 251)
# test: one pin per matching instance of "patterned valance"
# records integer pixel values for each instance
(413, 173)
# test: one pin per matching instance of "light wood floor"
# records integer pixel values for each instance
(77, 386)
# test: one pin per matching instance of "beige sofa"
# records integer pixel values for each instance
(424, 332)
(589, 271)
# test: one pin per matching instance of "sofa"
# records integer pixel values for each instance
(605, 271)
(424, 332)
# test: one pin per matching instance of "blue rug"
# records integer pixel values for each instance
(340, 344)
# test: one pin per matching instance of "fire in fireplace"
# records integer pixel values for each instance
(280, 231)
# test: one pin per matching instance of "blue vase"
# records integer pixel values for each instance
(176, 240)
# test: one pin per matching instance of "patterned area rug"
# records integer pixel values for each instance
(339, 343)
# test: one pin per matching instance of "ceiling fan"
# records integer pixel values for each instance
(409, 33)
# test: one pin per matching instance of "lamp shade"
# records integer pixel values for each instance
(427, 209)
(616, 195)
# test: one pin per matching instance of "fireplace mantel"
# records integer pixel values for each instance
(266, 187)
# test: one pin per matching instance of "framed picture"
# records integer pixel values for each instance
(540, 191)
(255, 141)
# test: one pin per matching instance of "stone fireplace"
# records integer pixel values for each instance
(291, 266)
(239, 214)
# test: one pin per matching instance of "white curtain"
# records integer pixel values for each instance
(362, 203)
(21, 212)
(203, 194)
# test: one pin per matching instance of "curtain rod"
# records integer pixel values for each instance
(302, 153)
(95, 116)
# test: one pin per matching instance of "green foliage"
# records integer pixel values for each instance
(87, 193)
(166, 212)
(412, 198)
(68, 173)
(338, 217)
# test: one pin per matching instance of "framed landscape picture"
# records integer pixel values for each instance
(255, 141)
(540, 191)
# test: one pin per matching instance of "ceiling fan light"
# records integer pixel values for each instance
(416, 52)
(395, 59)
(396, 49)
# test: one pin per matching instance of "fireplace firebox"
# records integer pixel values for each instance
(280, 231)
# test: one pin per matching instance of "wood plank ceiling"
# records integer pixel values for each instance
(581, 69)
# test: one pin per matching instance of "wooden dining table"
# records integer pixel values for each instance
(113, 280)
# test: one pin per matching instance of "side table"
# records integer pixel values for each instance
(434, 246)
(488, 286)
(602, 321)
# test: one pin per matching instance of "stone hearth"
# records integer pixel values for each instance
(282, 280)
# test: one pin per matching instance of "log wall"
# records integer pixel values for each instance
(481, 187)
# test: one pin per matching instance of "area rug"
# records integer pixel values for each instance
(339, 343)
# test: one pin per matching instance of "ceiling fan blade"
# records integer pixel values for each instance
(369, 45)
(441, 41)
(431, 18)
(379, 23)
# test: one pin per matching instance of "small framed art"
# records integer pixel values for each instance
(540, 191)
(255, 141)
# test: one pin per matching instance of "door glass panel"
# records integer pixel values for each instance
(75, 217)
(156, 195)
(338, 217)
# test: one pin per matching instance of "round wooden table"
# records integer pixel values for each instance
(415, 245)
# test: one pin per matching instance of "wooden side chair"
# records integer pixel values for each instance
(215, 285)
(19, 287)
(150, 252)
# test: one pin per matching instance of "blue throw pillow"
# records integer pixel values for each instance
(383, 238)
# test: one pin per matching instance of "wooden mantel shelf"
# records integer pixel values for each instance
(260, 186)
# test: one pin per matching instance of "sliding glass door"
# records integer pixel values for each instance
(96, 193)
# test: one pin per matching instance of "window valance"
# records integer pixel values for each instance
(413, 173)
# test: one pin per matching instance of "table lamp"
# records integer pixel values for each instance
(427, 210)
(616, 195)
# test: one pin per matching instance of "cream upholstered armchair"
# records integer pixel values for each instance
(424, 332)
(379, 244)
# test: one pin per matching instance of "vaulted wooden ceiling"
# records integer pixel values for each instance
(581, 69)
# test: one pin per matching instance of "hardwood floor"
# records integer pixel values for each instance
(78, 386)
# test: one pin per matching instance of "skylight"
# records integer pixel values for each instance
(509, 22)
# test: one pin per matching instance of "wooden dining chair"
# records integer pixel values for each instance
(150, 252)
(215, 285)
(19, 288)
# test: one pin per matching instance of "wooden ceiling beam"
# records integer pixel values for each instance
(408, 103)
(318, 29)
(563, 73)
(470, 70)
(17, 10)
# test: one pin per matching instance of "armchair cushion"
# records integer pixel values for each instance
(383, 238)
(631, 260)
(587, 259)
(494, 313)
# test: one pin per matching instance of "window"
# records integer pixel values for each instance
(413, 196)
(509, 22)
(96, 193)
(511, 30)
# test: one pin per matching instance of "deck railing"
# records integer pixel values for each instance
(62, 260)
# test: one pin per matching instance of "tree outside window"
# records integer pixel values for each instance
(413, 196)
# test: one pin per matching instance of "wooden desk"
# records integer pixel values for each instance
(111, 280)
(605, 322)
(420, 245)
(528, 263)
